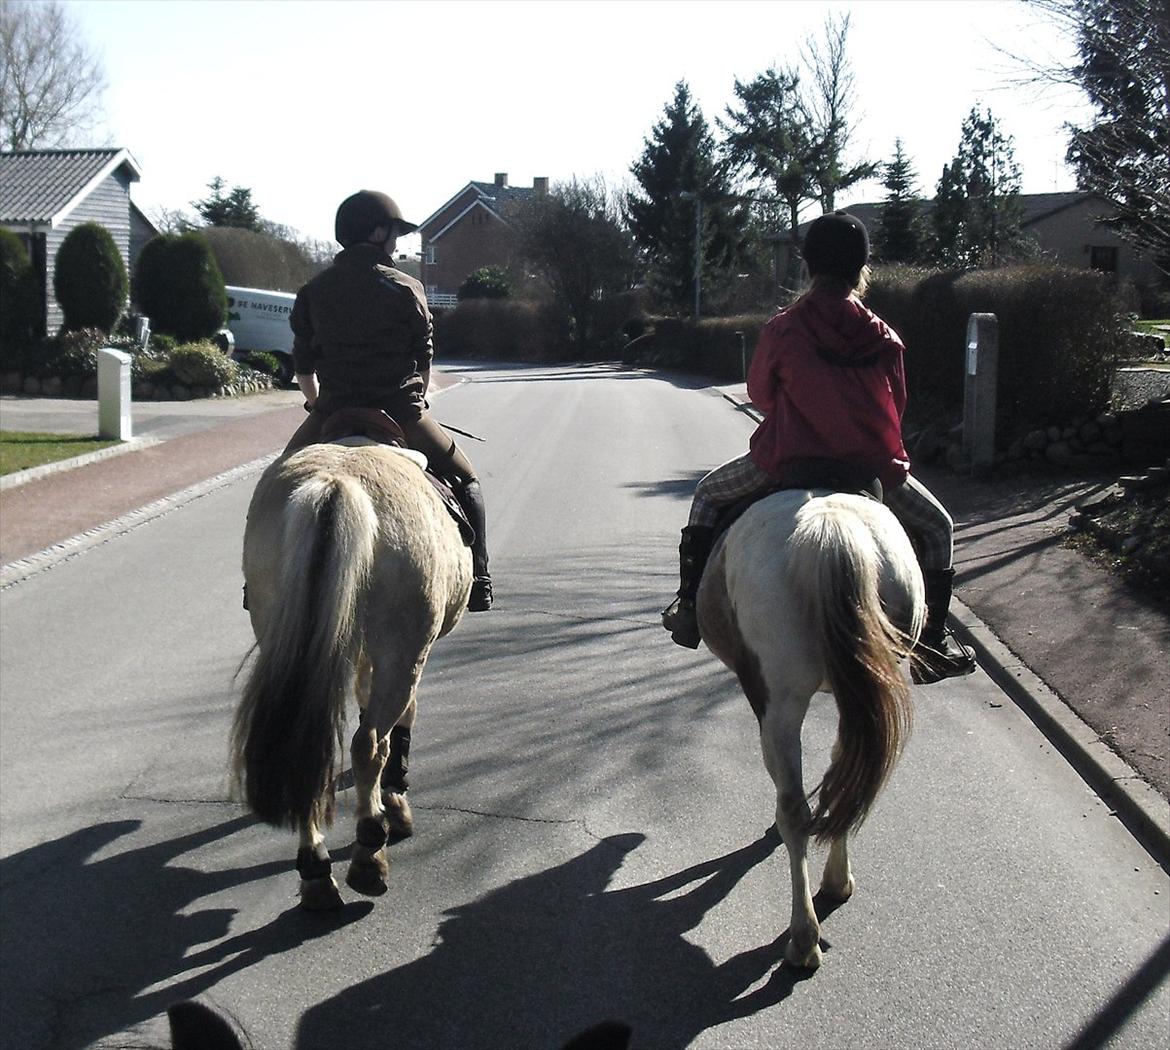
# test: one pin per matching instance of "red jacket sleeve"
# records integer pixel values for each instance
(762, 379)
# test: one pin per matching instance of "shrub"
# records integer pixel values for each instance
(1061, 332)
(502, 329)
(179, 287)
(202, 364)
(488, 282)
(89, 278)
(19, 299)
(250, 259)
(74, 353)
(264, 362)
(162, 344)
(711, 347)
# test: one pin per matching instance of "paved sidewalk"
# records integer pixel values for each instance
(1062, 636)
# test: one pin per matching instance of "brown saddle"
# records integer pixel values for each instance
(378, 425)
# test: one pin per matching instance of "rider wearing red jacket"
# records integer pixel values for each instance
(828, 376)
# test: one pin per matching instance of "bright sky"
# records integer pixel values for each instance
(304, 102)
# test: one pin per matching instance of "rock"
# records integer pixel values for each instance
(51, 386)
(1054, 433)
(1089, 432)
(10, 382)
(1131, 544)
(1058, 453)
(1035, 440)
(72, 386)
(180, 393)
(32, 385)
(1100, 501)
(89, 387)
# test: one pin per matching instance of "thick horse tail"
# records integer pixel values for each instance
(289, 722)
(861, 649)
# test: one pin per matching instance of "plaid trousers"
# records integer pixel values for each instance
(925, 520)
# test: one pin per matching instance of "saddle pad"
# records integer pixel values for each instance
(356, 440)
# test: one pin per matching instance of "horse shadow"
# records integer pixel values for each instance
(94, 937)
(553, 953)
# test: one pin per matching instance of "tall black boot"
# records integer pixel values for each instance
(939, 654)
(470, 497)
(680, 617)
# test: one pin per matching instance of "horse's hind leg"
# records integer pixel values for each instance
(391, 698)
(837, 879)
(780, 738)
(399, 817)
(318, 890)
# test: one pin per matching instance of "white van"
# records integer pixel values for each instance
(258, 320)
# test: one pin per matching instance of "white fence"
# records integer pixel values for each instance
(442, 299)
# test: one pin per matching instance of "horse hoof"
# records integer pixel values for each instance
(805, 960)
(398, 815)
(368, 876)
(838, 895)
(320, 894)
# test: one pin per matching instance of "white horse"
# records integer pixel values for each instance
(353, 569)
(809, 592)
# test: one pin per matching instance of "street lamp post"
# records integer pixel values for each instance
(688, 195)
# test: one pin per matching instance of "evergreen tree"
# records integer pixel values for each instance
(679, 157)
(897, 237)
(768, 138)
(233, 209)
(977, 210)
(1125, 154)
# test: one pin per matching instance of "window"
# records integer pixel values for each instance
(1103, 259)
(430, 255)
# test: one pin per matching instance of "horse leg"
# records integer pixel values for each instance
(780, 738)
(391, 698)
(837, 879)
(399, 817)
(318, 890)
(368, 867)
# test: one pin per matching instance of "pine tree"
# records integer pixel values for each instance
(233, 209)
(977, 209)
(897, 237)
(679, 157)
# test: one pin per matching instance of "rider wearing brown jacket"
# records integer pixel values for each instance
(362, 339)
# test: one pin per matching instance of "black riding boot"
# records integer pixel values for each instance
(470, 497)
(680, 617)
(939, 654)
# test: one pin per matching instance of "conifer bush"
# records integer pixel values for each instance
(89, 278)
(178, 285)
(19, 301)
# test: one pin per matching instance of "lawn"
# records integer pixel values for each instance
(20, 450)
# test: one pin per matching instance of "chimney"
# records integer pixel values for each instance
(501, 179)
(540, 185)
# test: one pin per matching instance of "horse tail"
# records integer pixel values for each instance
(289, 722)
(861, 649)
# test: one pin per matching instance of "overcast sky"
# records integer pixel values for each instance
(305, 102)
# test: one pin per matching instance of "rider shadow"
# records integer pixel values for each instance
(94, 929)
(548, 955)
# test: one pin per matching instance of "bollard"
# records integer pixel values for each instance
(742, 355)
(979, 391)
(114, 394)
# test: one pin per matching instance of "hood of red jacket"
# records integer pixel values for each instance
(844, 328)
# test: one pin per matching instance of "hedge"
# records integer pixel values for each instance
(503, 330)
(89, 278)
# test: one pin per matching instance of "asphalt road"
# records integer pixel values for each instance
(590, 803)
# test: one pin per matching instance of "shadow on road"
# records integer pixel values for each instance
(545, 956)
(88, 932)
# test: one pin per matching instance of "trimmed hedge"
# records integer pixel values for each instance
(502, 329)
(89, 278)
(712, 347)
(1061, 332)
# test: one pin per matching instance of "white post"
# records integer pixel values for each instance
(114, 394)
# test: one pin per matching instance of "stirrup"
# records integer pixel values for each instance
(480, 599)
(681, 619)
(949, 659)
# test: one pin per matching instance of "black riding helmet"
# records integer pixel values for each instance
(836, 245)
(359, 215)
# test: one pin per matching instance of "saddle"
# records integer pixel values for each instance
(345, 425)
(822, 474)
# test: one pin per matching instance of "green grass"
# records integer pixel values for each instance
(20, 450)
